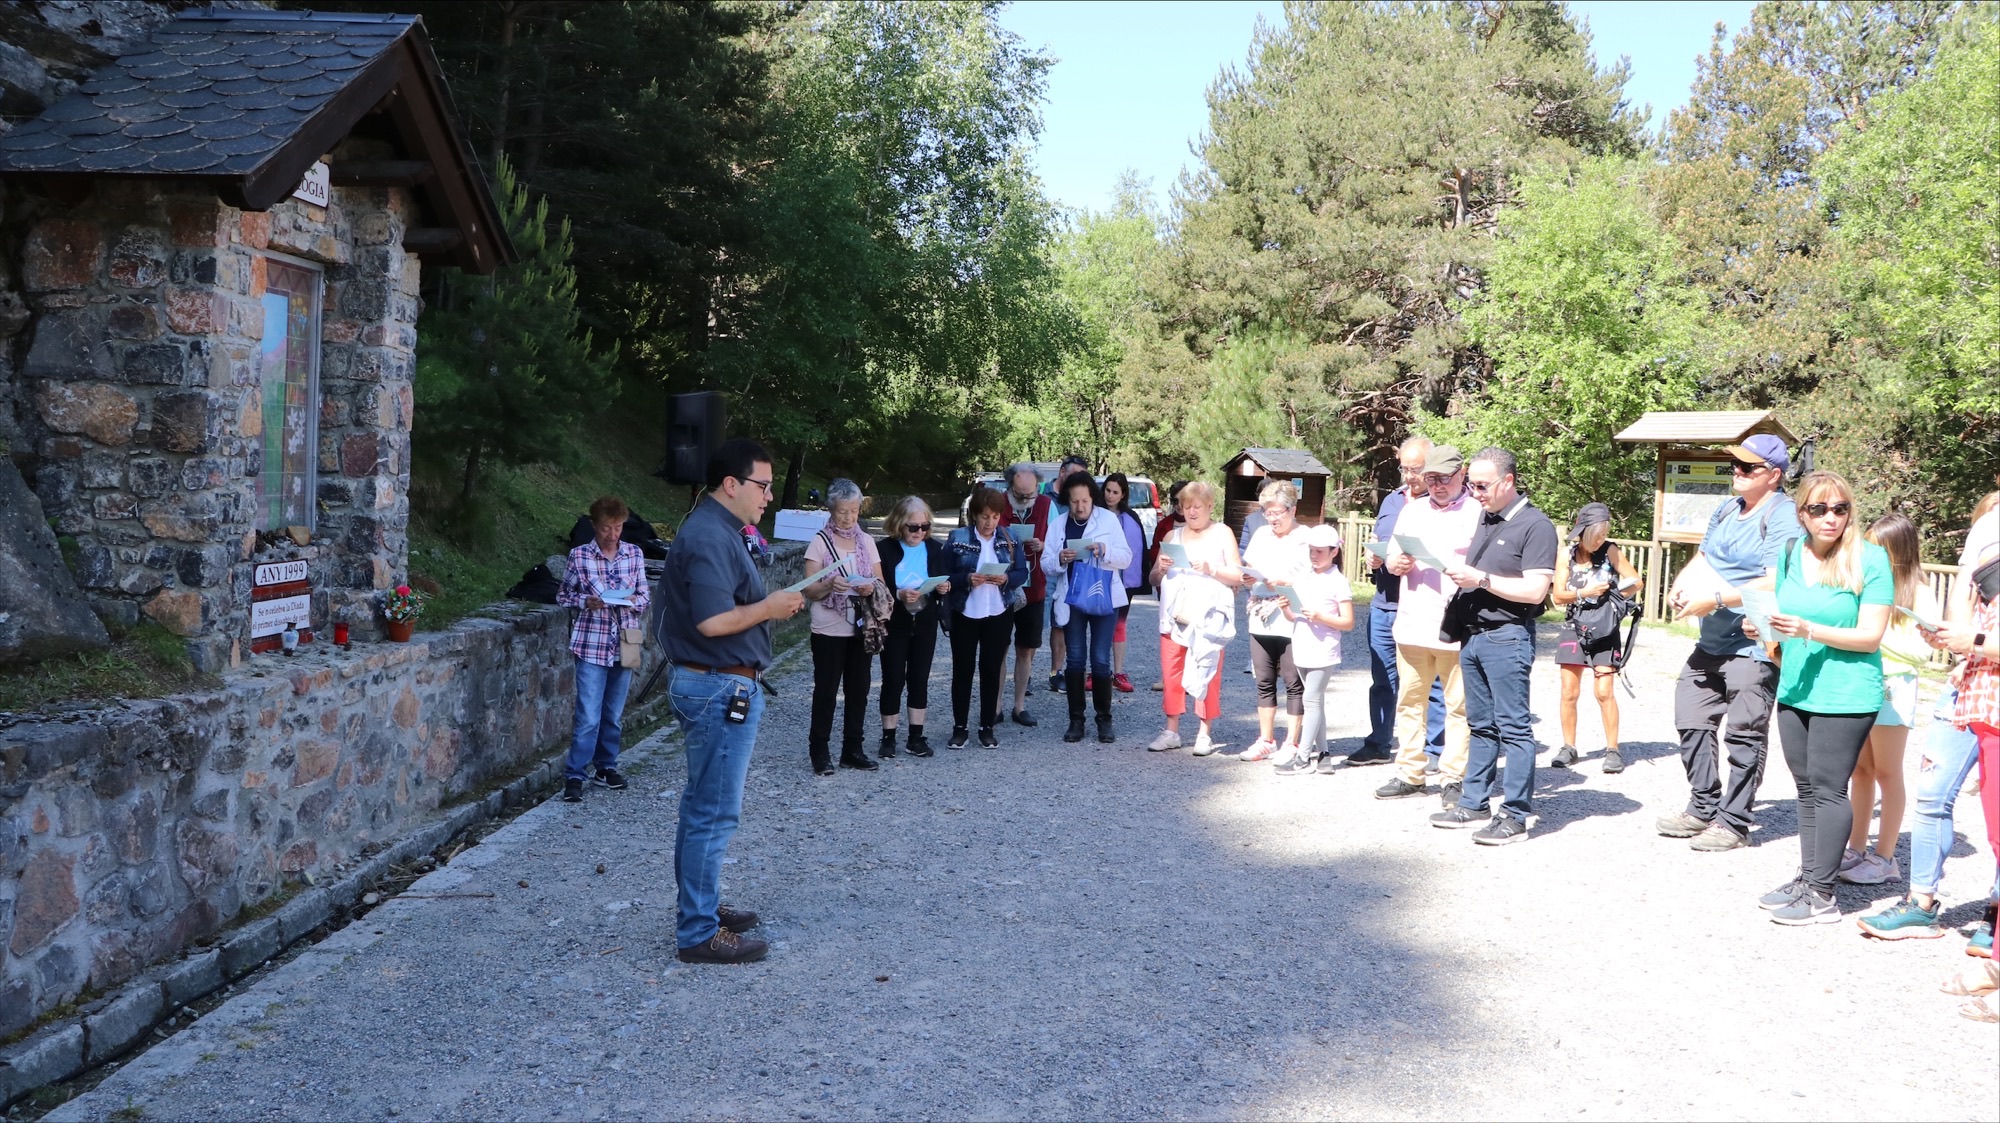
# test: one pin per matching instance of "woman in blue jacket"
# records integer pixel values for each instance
(980, 620)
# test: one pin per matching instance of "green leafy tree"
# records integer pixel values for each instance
(505, 373)
(1589, 321)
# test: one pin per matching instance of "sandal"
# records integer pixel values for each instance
(1977, 1010)
(1984, 980)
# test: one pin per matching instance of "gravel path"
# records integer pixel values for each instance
(1065, 931)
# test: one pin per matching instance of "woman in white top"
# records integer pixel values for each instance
(841, 663)
(986, 567)
(1101, 546)
(1197, 616)
(1327, 610)
(1904, 653)
(1277, 554)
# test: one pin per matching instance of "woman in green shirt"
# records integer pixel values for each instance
(1833, 597)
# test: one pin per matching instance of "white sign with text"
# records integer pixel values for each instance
(280, 573)
(269, 617)
(317, 187)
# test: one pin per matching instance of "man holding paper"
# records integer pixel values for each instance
(1379, 747)
(1732, 573)
(1444, 523)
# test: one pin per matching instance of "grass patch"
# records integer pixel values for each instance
(146, 662)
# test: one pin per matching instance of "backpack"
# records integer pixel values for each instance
(538, 585)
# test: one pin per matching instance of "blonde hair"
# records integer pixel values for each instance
(1199, 492)
(1841, 568)
(892, 527)
(1991, 501)
(1279, 491)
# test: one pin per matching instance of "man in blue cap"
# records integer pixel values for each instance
(1728, 674)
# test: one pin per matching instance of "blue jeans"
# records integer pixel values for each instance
(718, 757)
(1382, 690)
(1947, 759)
(1098, 644)
(1495, 665)
(600, 712)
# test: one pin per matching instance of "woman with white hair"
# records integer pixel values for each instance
(910, 559)
(1276, 556)
(840, 657)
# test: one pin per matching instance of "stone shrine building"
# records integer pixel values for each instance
(209, 259)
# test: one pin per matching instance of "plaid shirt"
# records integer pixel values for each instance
(594, 636)
(1979, 682)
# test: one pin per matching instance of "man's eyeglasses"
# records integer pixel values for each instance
(1743, 469)
(1477, 488)
(916, 528)
(1819, 510)
(765, 484)
(1432, 479)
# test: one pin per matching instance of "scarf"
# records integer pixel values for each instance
(847, 542)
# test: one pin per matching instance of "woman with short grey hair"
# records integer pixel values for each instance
(841, 663)
(1278, 553)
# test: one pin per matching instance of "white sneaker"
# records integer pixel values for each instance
(1260, 749)
(1286, 756)
(1872, 869)
(1204, 745)
(1167, 741)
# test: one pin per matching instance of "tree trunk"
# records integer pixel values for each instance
(793, 467)
(471, 472)
(509, 15)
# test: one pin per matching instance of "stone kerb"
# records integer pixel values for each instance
(130, 832)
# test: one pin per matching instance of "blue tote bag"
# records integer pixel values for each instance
(1090, 589)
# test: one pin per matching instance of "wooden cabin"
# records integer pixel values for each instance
(1250, 469)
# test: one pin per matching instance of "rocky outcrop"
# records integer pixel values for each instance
(42, 612)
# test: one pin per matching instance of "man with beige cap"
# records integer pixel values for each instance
(1444, 523)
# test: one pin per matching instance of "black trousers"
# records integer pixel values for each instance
(907, 651)
(1821, 750)
(1710, 687)
(840, 666)
(983, 643)
(1270, 657)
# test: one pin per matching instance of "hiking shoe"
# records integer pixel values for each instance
(1056, 682)
(1023, 717)
(1450, 793)
(1809, 908)
(1980, 946)
(987, 739)
(1680, 824)
(1565, 756)
(1849, 858)
(1718, 838)
(736, 920)
(1166, 742)
(1204, 745)
(1783, 895)
(1298, 764)
(1459, 818)
(1904, 920)
(1260, 749)
(1122, 683)
(1365, 756)
(1329, 764)
(1500, 832)
(1399, 788)
(572, 791)
(608, 778)
(1613, 763)
(1872, 869)
(860, 762)
(959, 735)
(725, 947)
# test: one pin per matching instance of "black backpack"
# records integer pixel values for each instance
(538, 585)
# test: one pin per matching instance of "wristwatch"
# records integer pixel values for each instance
(1718, 599)
(1486, 581)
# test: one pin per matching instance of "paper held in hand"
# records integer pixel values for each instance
(841, 567)
(1021, 532)
(993, 569)
(1419, 553)
(1925, 622)
(1381, 549)
(1176, 555)
(1758, 607)
(1080, 545)
(1290, 594)
(929, 584)
(620, 598)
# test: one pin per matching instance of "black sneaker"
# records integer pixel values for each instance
(987, 740)
(1023, 717)
(859, 762)
(920, 745)
(1399, 788)
(1448, 795)
(1458, 818)
(1565, 756)
(1501, 832)
(888, 746)
(1613, 763)
(1056, 682)
(958, 737)
(608, 778)
(572, 791)
(1366, 756)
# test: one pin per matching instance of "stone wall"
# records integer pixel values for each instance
(137, 399)
(128, 832)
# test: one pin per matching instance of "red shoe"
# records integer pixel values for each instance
(1090, 682)
(1122, 683)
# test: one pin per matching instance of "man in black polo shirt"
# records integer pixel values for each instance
(1502, 585)
(717, 632)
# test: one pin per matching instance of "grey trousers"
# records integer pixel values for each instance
(1712, 687)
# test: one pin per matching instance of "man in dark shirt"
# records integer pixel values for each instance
(1502, 585)
(1379, 747)
(717, 633)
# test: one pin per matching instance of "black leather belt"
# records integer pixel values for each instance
(738, 670)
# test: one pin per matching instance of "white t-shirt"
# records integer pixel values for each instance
(1318, 645)
(1281, 559)
(984, 600)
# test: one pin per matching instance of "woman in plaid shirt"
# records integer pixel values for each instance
(595, 569)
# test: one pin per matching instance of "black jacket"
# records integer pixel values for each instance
(935, 563)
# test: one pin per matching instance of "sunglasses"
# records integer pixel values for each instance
(1743, 469)
(1819, 510)
(919, 528)
(1478, 488)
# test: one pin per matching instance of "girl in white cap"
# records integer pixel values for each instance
(1328, 610)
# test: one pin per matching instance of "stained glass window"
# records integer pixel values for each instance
(288, 363)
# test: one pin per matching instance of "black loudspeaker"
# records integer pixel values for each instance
(695, 424)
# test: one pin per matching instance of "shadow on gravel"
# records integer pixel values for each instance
(1636, 752)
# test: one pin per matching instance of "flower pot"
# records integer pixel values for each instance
(400, 630)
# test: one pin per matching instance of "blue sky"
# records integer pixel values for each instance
(1128, 89)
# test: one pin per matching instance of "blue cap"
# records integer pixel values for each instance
(1763, 449)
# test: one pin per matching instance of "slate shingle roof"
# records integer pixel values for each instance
(1282, 461)
(214, 95)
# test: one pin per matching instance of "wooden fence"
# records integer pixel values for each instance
(1657, 562)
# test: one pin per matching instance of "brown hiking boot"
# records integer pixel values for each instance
(736, 920)
(725, 947)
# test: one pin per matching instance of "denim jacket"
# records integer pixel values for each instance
(963, 550)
